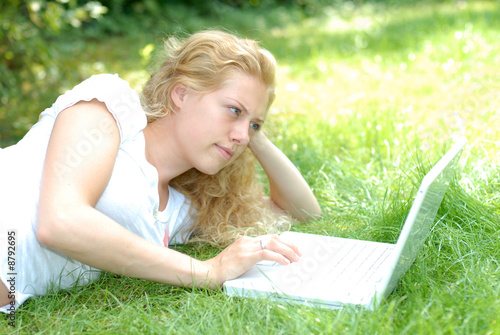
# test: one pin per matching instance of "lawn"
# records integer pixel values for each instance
(370, 95)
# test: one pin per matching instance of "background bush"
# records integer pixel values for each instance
(29, 64)
(40, 38)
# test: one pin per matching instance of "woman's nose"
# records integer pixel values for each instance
(240, 133)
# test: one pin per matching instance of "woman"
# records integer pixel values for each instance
(106, 180)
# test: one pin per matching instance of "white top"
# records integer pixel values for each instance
(131, 197)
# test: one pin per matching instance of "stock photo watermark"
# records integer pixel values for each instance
(11, 276)
(93, 138)
(300, 273)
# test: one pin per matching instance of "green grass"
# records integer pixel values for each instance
(369, 98)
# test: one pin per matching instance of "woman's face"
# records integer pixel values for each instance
(213, 129)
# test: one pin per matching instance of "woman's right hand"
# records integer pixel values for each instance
(245, 252)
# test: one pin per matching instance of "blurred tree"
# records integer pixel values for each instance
(26, 58)
(30, 61)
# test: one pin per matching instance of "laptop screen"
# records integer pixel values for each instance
(422, 213)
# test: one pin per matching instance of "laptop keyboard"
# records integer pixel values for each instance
(352, 267)
(357, 264)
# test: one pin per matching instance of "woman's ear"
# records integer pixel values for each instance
(178, 94)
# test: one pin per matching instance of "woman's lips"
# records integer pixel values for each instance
(226, 153)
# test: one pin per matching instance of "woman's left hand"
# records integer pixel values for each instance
(288, 189)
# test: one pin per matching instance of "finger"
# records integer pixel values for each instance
(274, 244)
(284, 249)
(286, 242)
(291, 245)
(270, 255)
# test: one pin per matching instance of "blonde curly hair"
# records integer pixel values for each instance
(230, 203)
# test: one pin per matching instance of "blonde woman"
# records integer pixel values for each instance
(107, 179)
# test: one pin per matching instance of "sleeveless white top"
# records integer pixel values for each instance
(131, 197)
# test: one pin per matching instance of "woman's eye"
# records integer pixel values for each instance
(255, 126)
(235, 110)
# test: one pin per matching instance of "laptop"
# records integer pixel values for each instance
(334, 272)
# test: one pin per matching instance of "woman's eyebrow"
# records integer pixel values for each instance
(244, 109)
(259, 120)
(240, 105)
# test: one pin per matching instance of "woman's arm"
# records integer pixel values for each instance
(289, 190)
(74, 177)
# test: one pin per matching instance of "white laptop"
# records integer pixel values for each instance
(333, 272)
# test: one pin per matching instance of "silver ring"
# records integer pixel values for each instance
(262, 244)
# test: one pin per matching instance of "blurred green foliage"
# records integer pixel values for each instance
(43, 42)
(28, 61)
